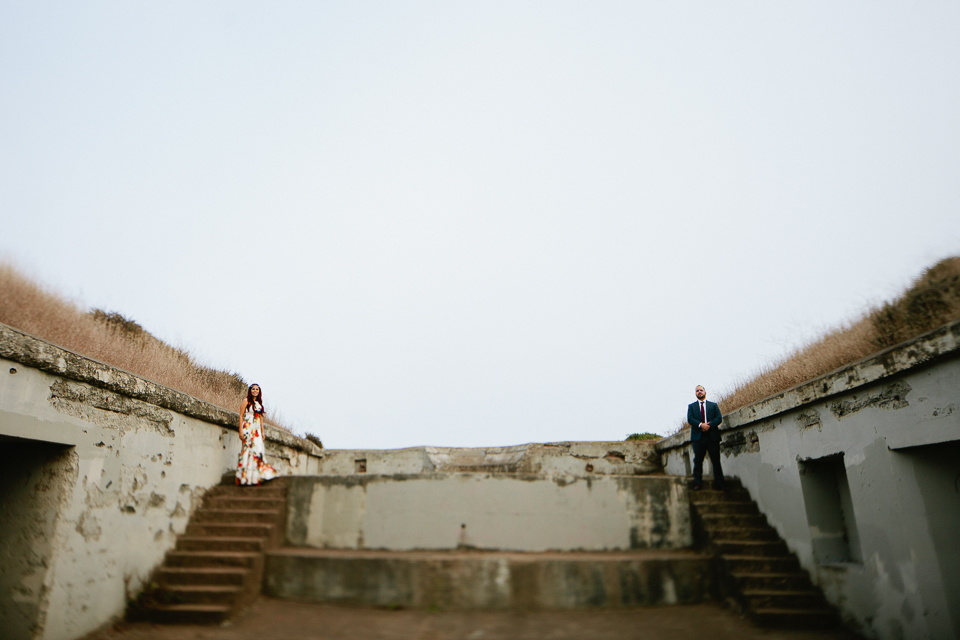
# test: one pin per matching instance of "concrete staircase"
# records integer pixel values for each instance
(756, 567)
(217, 564)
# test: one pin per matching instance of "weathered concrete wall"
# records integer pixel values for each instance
(105, 469)
(472, 580)
(859, 471)
(488, 511)
(577, 459)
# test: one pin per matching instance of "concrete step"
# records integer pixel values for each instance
(727, 508)
(265, 491)
(218, 561)
(228, 529)
(732, 484)
(188, 613)
(796, 581)
(230, 576)
(771, 585)
(771, 548)
(219, 543)
(227, 502)
(241, 559)
(724, 520)
(489, 580)
(202, 594)
(795, 618)
(705, 496)
(246, 516)
(744, 533)
(760, 564)
(808, 599)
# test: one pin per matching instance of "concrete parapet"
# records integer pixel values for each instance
(490, 580)
(488, 511)
(581, 459)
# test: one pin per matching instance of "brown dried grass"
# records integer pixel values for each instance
(114, 340)
(930, 302)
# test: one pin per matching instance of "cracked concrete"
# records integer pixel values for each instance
(108, 409)
(889, 397)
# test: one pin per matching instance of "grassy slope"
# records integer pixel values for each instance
(113, 339)
(931, 301)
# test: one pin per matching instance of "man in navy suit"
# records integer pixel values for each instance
(704, 419)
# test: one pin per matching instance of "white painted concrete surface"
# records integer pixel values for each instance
(890, 426)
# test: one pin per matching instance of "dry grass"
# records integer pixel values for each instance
(113, 339)
(931, 301)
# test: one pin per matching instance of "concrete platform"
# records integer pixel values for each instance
(273, 619)
(465, 580)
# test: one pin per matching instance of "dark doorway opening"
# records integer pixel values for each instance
(34, 479)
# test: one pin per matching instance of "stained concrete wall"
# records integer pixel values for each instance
(495, 580)
(576, 459)
(488, 511)
(101, 470)
(859, 471)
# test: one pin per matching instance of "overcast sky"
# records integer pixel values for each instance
(480, 223)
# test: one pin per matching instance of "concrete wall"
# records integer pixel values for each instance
(488, 511)
(101, 469)
(859, 471)
(577, 459)
(495, 580)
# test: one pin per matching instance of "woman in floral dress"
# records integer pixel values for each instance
(251, 469)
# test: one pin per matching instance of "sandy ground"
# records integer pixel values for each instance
(269, 619)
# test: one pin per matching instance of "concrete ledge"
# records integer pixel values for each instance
(495, 580)
(40, 354)
(931, 347)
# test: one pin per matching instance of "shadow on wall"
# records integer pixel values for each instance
(829, 507)
(35, 480)
(937, 473)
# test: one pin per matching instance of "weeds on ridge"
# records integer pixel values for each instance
(930, 302)
(113, 339)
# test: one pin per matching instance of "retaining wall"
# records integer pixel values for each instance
(101, 470)
(492, 580)
(859, 471)
(488, 511)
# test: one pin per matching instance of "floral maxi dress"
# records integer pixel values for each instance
(251, 469)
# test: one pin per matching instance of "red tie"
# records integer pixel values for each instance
(703, 413)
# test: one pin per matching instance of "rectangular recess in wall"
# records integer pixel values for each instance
(829, 506)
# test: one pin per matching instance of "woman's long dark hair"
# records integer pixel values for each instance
(251, 399)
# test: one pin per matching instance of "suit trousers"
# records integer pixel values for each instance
(700, 448)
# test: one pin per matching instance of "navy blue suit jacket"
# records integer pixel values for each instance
(713, 418)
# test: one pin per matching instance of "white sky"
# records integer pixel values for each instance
(480, 223)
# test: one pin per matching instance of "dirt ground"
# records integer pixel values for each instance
(270, 619)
